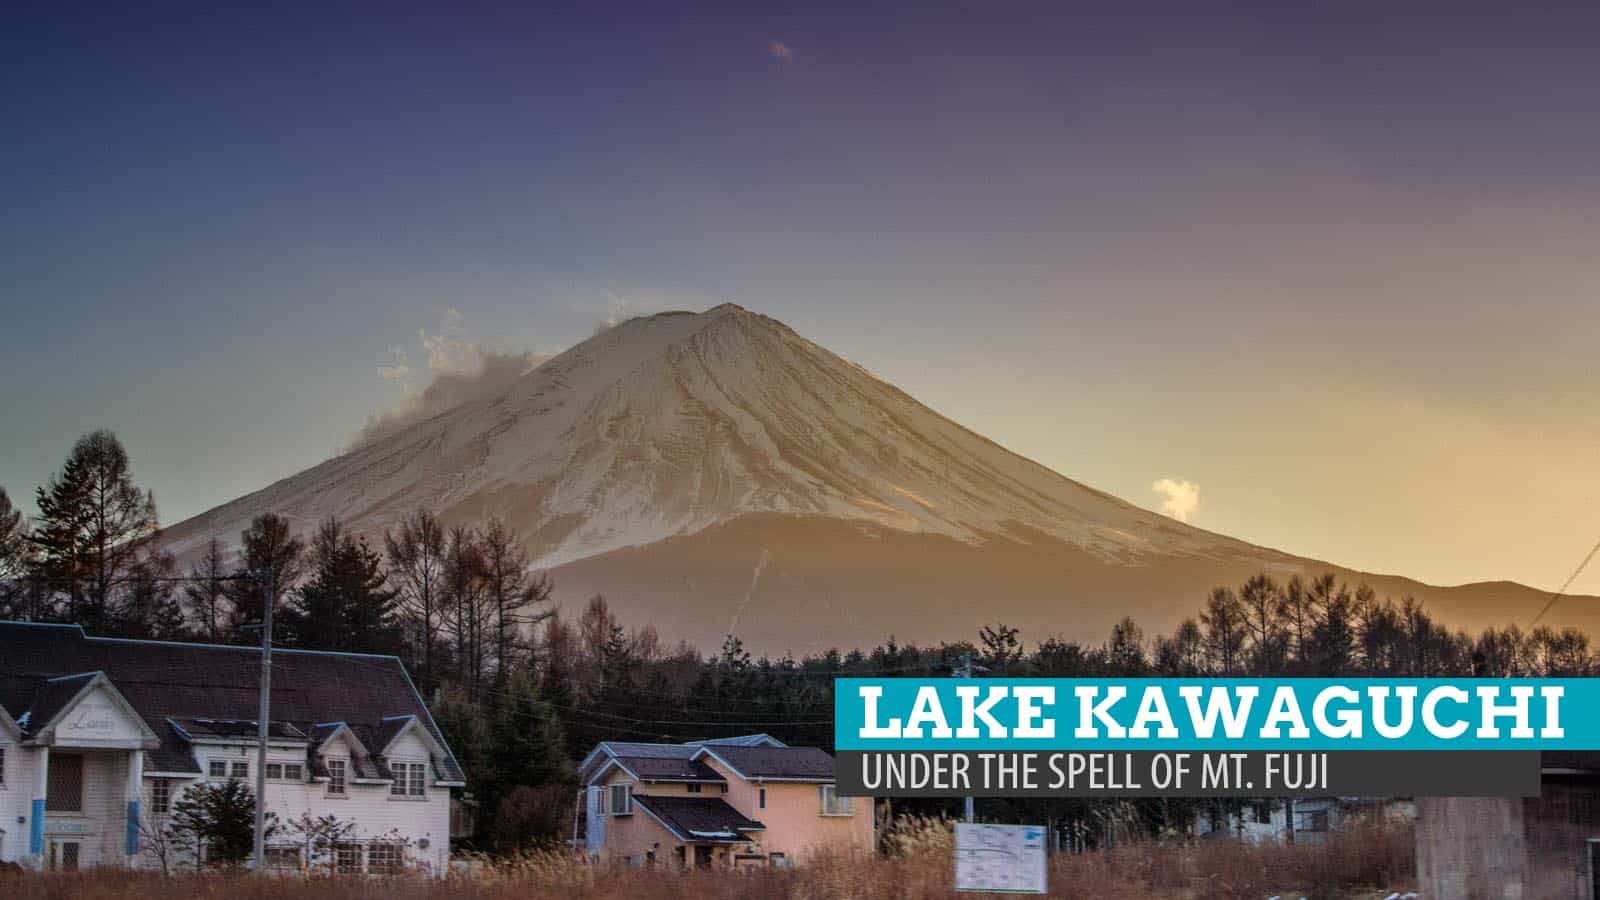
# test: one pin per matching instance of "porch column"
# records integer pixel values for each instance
(41, 787)
(135, 785)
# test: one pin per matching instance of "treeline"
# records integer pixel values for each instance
(523, 693)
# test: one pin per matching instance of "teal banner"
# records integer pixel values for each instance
(1217, 714)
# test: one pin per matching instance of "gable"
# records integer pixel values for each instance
(408, 746)
(97, 718)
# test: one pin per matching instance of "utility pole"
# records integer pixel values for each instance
(259, 850)
(965, 671)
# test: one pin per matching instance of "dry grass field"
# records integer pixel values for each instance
(1370, 862)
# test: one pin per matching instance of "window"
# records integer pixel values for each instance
(694, 788)
(347, 859)
(761, 800)
(1316, 820)
(281, 858)
(241, 771)
(417, 784)
(161, 796)
(622, 799)
(64, 784)
(336, 776)
(2, 767)
(832, 803)
(275, 771)
(294, 772)
(410, 780)
(1263, 811)
(218, 768)
(724, 787)
(384, 859)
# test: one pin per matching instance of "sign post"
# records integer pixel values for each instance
(1006, 859)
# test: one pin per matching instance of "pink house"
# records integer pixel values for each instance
(743, 801)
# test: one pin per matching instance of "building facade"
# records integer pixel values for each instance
(747, 801)
(1516, 847)
(101, 737)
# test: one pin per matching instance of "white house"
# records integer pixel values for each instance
(99, 735)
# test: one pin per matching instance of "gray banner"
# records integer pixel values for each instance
(1365, 773)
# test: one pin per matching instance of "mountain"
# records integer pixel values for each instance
(714, 472)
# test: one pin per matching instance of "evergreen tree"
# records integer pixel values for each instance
(15, 555)
(221, 818)
(94, 525)
(1001, 647)
(149, 607)
(267, 547)
(344, 605)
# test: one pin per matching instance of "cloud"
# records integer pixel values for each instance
(781, 52)
(459, 371)
(1180, 497)
(621, 309)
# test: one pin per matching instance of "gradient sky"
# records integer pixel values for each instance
(1337, 264)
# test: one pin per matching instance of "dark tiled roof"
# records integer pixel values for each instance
(238, 728)
(699, 819)
(654, 769)
(205, 681)
(809, 763)
(174, 754)
(743, 740)
(52, 695)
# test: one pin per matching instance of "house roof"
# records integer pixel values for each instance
(227, 729)
(652, 768)
(605, 751)
(699, 819)
(194, 682)
(775, 763)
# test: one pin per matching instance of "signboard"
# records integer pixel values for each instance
(1000, 858)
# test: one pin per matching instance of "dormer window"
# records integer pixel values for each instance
(336, 771)
(622, 799)
(410, 780)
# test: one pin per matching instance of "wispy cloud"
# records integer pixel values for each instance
(620, 309)
(780, 51)
(1180, 497)
(458, 369)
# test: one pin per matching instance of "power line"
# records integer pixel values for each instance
(1566, 584)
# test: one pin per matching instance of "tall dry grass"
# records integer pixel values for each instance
(1366, 862)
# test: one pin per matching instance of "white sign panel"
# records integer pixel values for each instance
(1001, 858)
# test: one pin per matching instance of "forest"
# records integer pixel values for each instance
(523, 690)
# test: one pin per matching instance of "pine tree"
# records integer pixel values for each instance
(149, 608)
(268, 547)
(94, 524)
(345, 604)
(15, 555)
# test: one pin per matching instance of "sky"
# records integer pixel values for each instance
(1319, 276)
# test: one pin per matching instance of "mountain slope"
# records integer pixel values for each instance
(668, 462)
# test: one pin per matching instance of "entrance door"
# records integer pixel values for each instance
(702, 856)
(63, 855)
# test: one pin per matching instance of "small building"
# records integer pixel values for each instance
(743, 801)
(1314, 817)
(1546, 847)
(100, 737)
